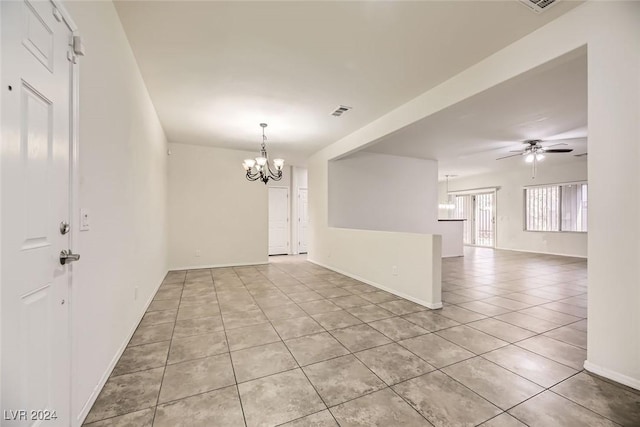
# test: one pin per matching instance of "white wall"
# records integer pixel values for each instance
(213, 209)
(123, 183)
(612, 35)
(374, 191)
(510, 206)
(406, 264)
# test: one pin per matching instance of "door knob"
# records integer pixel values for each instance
(68, 256)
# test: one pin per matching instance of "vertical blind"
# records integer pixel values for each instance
(559, 207)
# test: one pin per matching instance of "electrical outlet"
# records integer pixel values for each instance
(198, 253)
(394, 270)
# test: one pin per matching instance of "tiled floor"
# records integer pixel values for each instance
(298, 345)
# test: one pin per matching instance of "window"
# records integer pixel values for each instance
(559, 207)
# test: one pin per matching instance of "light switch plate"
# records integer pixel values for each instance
(84, 220)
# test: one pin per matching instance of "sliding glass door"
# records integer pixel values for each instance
(479, 212)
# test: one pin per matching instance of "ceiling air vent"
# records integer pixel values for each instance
(538, 6)
(340, 110)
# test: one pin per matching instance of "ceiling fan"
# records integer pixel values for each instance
(534, 152)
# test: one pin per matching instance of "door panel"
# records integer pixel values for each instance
(484, 222)
(278, 221)
(303, 220)
(36, 101)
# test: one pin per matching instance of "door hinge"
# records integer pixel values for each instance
(72, 57)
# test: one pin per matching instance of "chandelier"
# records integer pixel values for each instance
(448, 204)
(260, 168)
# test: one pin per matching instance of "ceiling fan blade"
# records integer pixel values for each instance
(581, 155)
(516, 151)
(555, 145)
(512, 155)
(559, 150)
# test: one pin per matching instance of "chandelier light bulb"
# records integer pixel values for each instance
(261, 161)
(249, 163)
(278, 163)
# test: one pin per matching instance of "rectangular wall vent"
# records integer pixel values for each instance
(340, 110)
(538, 6)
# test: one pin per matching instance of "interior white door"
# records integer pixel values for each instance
(303, 220)
(278, 220)
(35, 150)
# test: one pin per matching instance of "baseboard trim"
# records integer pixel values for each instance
(432, 306)
(103, 380)
(612, 375)
(236, 264)
(540, 252)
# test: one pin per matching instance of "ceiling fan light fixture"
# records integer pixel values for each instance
(529, 158)
(539, 157)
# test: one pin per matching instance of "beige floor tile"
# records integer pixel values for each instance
(319, 419)
(503, 420)
(341, 379)
(382, 408)
(370, 312)
(197, 346)
(499, 329)
(256, 362)
(205, 325)
(611, 401)
(397, 328)
(127, 393)
(315, 348)
(445, 402)
(550, 410)
(471, 339)
(241, 319)
(278, 398)
(251, 336)
(319, 306)
(143, 418)
(525, 321)
(158, 317)
(402, 307)
(359, 337)
(436, 350)
(430, 320)
(459, 314)
(298, 327)
(151, 334)
(393, 363)
(349, 301)
(484, 308)
(289, 311)
(499, 386)
(198, 311)
(221, 407)
(196, 376)
(559, 351)
(159, 305)
(336, 319)
(142, 357)
(305, 296)
(378, 297)
(569, 335)
(531, 366)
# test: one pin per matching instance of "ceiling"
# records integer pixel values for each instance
(216, 69)
(548, 103)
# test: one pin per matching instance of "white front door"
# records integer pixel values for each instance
(35, 187)
(303, 220)
(278, 220)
